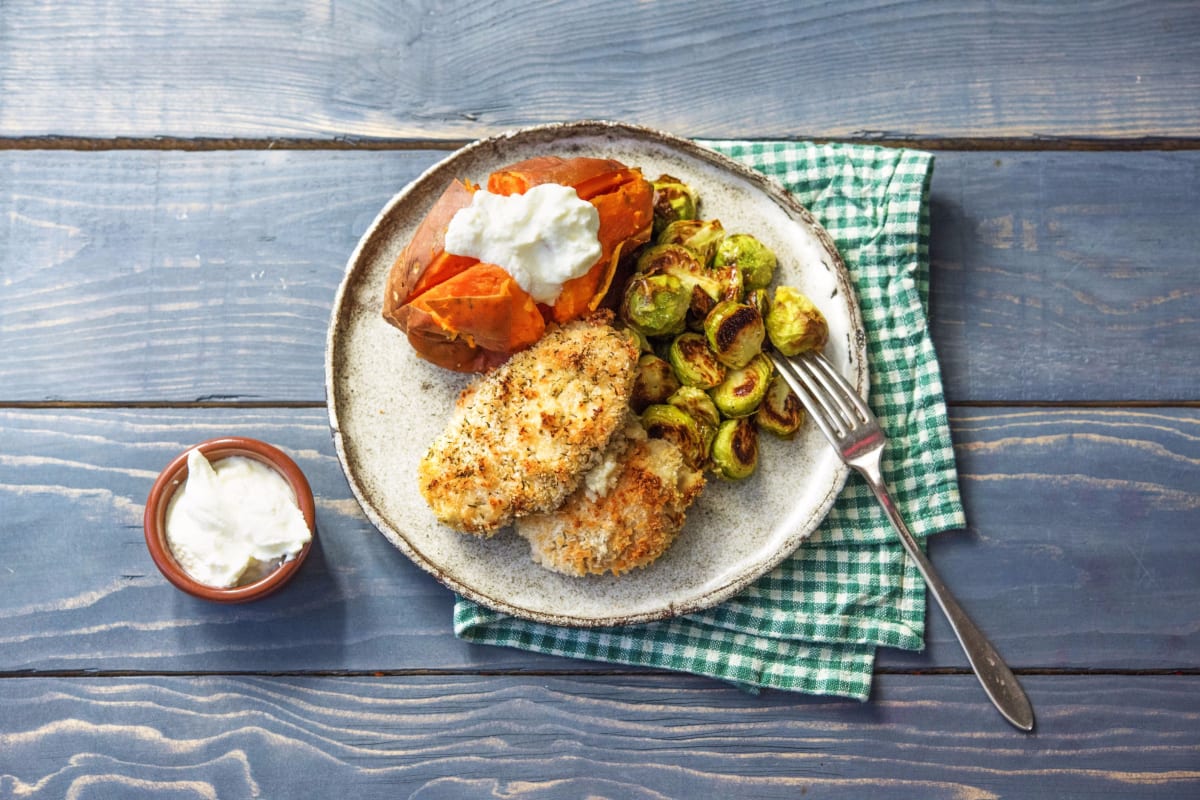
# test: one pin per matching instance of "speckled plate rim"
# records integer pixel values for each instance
(564, 132)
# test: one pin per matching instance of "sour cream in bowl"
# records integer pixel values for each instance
(230, 520)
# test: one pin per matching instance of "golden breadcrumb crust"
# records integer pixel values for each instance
(522, 437)
(630, 526)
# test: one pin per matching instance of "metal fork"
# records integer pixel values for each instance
(855, 433)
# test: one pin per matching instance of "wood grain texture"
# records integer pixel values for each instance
(1081, 552)
(417, 70)
(1066, 276)
(167, 276)
(604, 737)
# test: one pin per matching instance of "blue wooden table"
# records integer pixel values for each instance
(180, 187)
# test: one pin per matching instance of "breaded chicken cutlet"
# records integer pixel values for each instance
(522, 437)
(625, 515)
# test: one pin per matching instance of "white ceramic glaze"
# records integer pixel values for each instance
(386, 405)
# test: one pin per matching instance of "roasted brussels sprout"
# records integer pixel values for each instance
(752, 258)
(643, 344)
(735, 332)
(682, 263)
(663, 421)
(694, 363)
(668, 259)
(743, 389)
(698, 404)
(734, 453)
(781, 411)
(654, 383)
(794, 324)
(701, 306)
(705, 286)
(673, 200)
(701, 236)
(759, 299)
(655, 304)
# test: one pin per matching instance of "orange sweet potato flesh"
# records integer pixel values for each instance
(467, 316)
(588, 176)
(626, 217)
(622, 197)
(424, 262)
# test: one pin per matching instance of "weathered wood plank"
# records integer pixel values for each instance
(651, 737)
(1060, 276)
(1069, 558)
(132, 276)
(769, 68)
(169, 276)
(1081, 552)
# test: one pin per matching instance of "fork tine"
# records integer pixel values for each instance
(806, 388)
(851, 403)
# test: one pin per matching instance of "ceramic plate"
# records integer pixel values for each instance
(386, 405)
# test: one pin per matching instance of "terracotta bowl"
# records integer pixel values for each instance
(173, 477)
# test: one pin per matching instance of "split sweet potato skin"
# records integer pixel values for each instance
(424, 261)
(468, 316)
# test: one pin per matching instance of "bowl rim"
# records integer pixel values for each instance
(173, 476)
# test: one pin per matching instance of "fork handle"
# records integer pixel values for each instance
(998, 681)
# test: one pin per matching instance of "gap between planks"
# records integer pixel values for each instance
(546, 673)
(885, 139)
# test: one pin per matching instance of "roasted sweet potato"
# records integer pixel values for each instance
(468, 316)
(424, 261)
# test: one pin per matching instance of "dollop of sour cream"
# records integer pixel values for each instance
(233, 521)
(543, 238)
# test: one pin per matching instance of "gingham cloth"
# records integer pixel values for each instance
(813, 624)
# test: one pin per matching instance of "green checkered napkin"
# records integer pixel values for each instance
(812, 624)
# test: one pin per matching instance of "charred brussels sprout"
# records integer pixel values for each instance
(663, 421)
(698, 404)
(639, 338)
(702, 237)
(673, 200)
(752, 258)
(735, 332)
(734, 452)
(694, 363)
(794, 324)
(668, 259)
(656, 304)
(654, 383)
(781, 412)
(704, 286)
(758, 298)
(743, 389)
(702, 305)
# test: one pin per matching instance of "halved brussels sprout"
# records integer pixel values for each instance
(694, 363)
(753, 259)
(680, 262)
(673, 200)
(663, 421)
(701, 236)
(735, 332)
(743, 389)
(698, 404)
(643, 344)
(781, 411)
(656, 305)
(734, 452)
(667, 259)
(794, 324)
(759, 299)
(654, 383)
